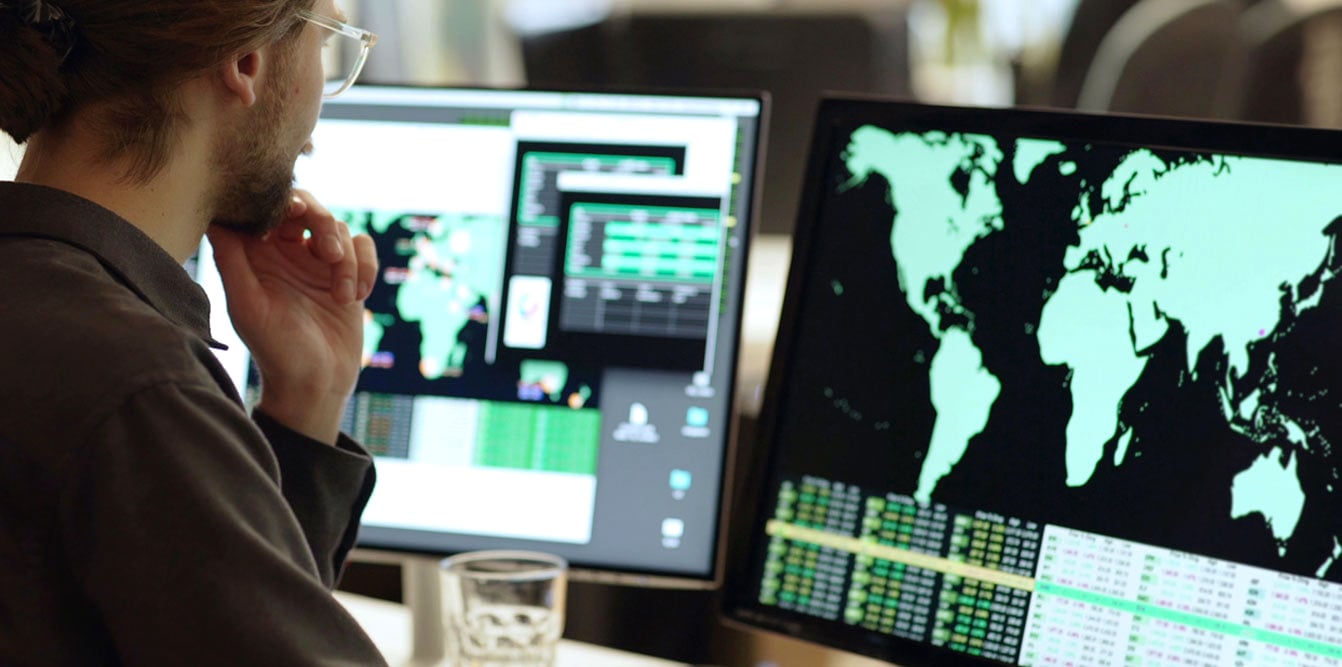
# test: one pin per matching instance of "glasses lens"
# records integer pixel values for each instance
(338, 57)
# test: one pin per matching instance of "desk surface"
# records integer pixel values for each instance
(388, 624)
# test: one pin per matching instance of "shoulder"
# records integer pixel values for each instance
(74, 339)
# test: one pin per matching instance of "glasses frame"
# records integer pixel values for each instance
(365, 38)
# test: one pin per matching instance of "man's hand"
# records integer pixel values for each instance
(296, 298)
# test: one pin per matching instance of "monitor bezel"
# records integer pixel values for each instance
(745, 540)
(374, 551)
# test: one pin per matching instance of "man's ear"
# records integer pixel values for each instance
(241, 74)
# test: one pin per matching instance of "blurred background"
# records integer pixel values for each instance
(1258, 60)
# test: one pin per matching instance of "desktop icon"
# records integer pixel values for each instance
(528, 313)
(672, 531)
(681, 481)
(638, 414)
(638, 428)
(696, 423)
(696, 417)
(701, 386)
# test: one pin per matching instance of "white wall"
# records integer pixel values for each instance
(10, 154)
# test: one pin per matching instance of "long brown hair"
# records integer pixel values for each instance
(129, 57)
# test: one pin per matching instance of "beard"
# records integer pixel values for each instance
(255, 171)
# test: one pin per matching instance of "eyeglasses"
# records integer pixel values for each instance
(340, 59)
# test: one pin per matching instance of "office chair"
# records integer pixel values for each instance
(1169, 57)
(1294, 69)
(1091, 21)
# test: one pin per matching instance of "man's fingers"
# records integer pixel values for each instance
(310, 222)
(291, 227)
(320, 245)
(299, 202)
(366, 253)
(345, 270)
(330, 237)
(230, 256)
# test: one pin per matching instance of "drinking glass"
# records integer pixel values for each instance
(503, 608)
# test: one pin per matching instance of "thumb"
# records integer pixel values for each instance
(230, 256)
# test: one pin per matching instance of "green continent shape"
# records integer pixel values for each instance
(457, 261)
(928, 246)
(963, 393)
(1217, 256)
(550, 375)
(1272, 490)
(1030, 153)
(1192, 242)
(1087, 329)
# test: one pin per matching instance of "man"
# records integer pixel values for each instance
(145, 518)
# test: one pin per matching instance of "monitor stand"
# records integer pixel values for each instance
(422, 594)
(422, 590)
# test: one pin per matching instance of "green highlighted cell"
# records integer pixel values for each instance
(538, 437)
(612, 241)
(707, 251)
(1236, 630)
(655, 231)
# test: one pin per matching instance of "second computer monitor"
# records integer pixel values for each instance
(1055, 389)
(550, 347)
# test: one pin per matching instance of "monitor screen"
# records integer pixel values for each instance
(1055, 389)
(549, 351)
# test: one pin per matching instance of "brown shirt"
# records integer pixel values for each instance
(145, 518)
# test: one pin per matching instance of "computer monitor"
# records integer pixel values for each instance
(1054, 389)
(550, 347)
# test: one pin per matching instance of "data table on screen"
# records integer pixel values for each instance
(539, 198)
(811, 577)
(1101, 601)
(641, 270)
(889, 596)
(983, 617)
(381, 422)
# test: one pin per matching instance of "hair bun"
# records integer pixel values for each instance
(32, 90)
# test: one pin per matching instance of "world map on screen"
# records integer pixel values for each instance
(444, 271)
(435, 308)
(1218, 267)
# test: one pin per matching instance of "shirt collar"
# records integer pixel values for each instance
(134, 259)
